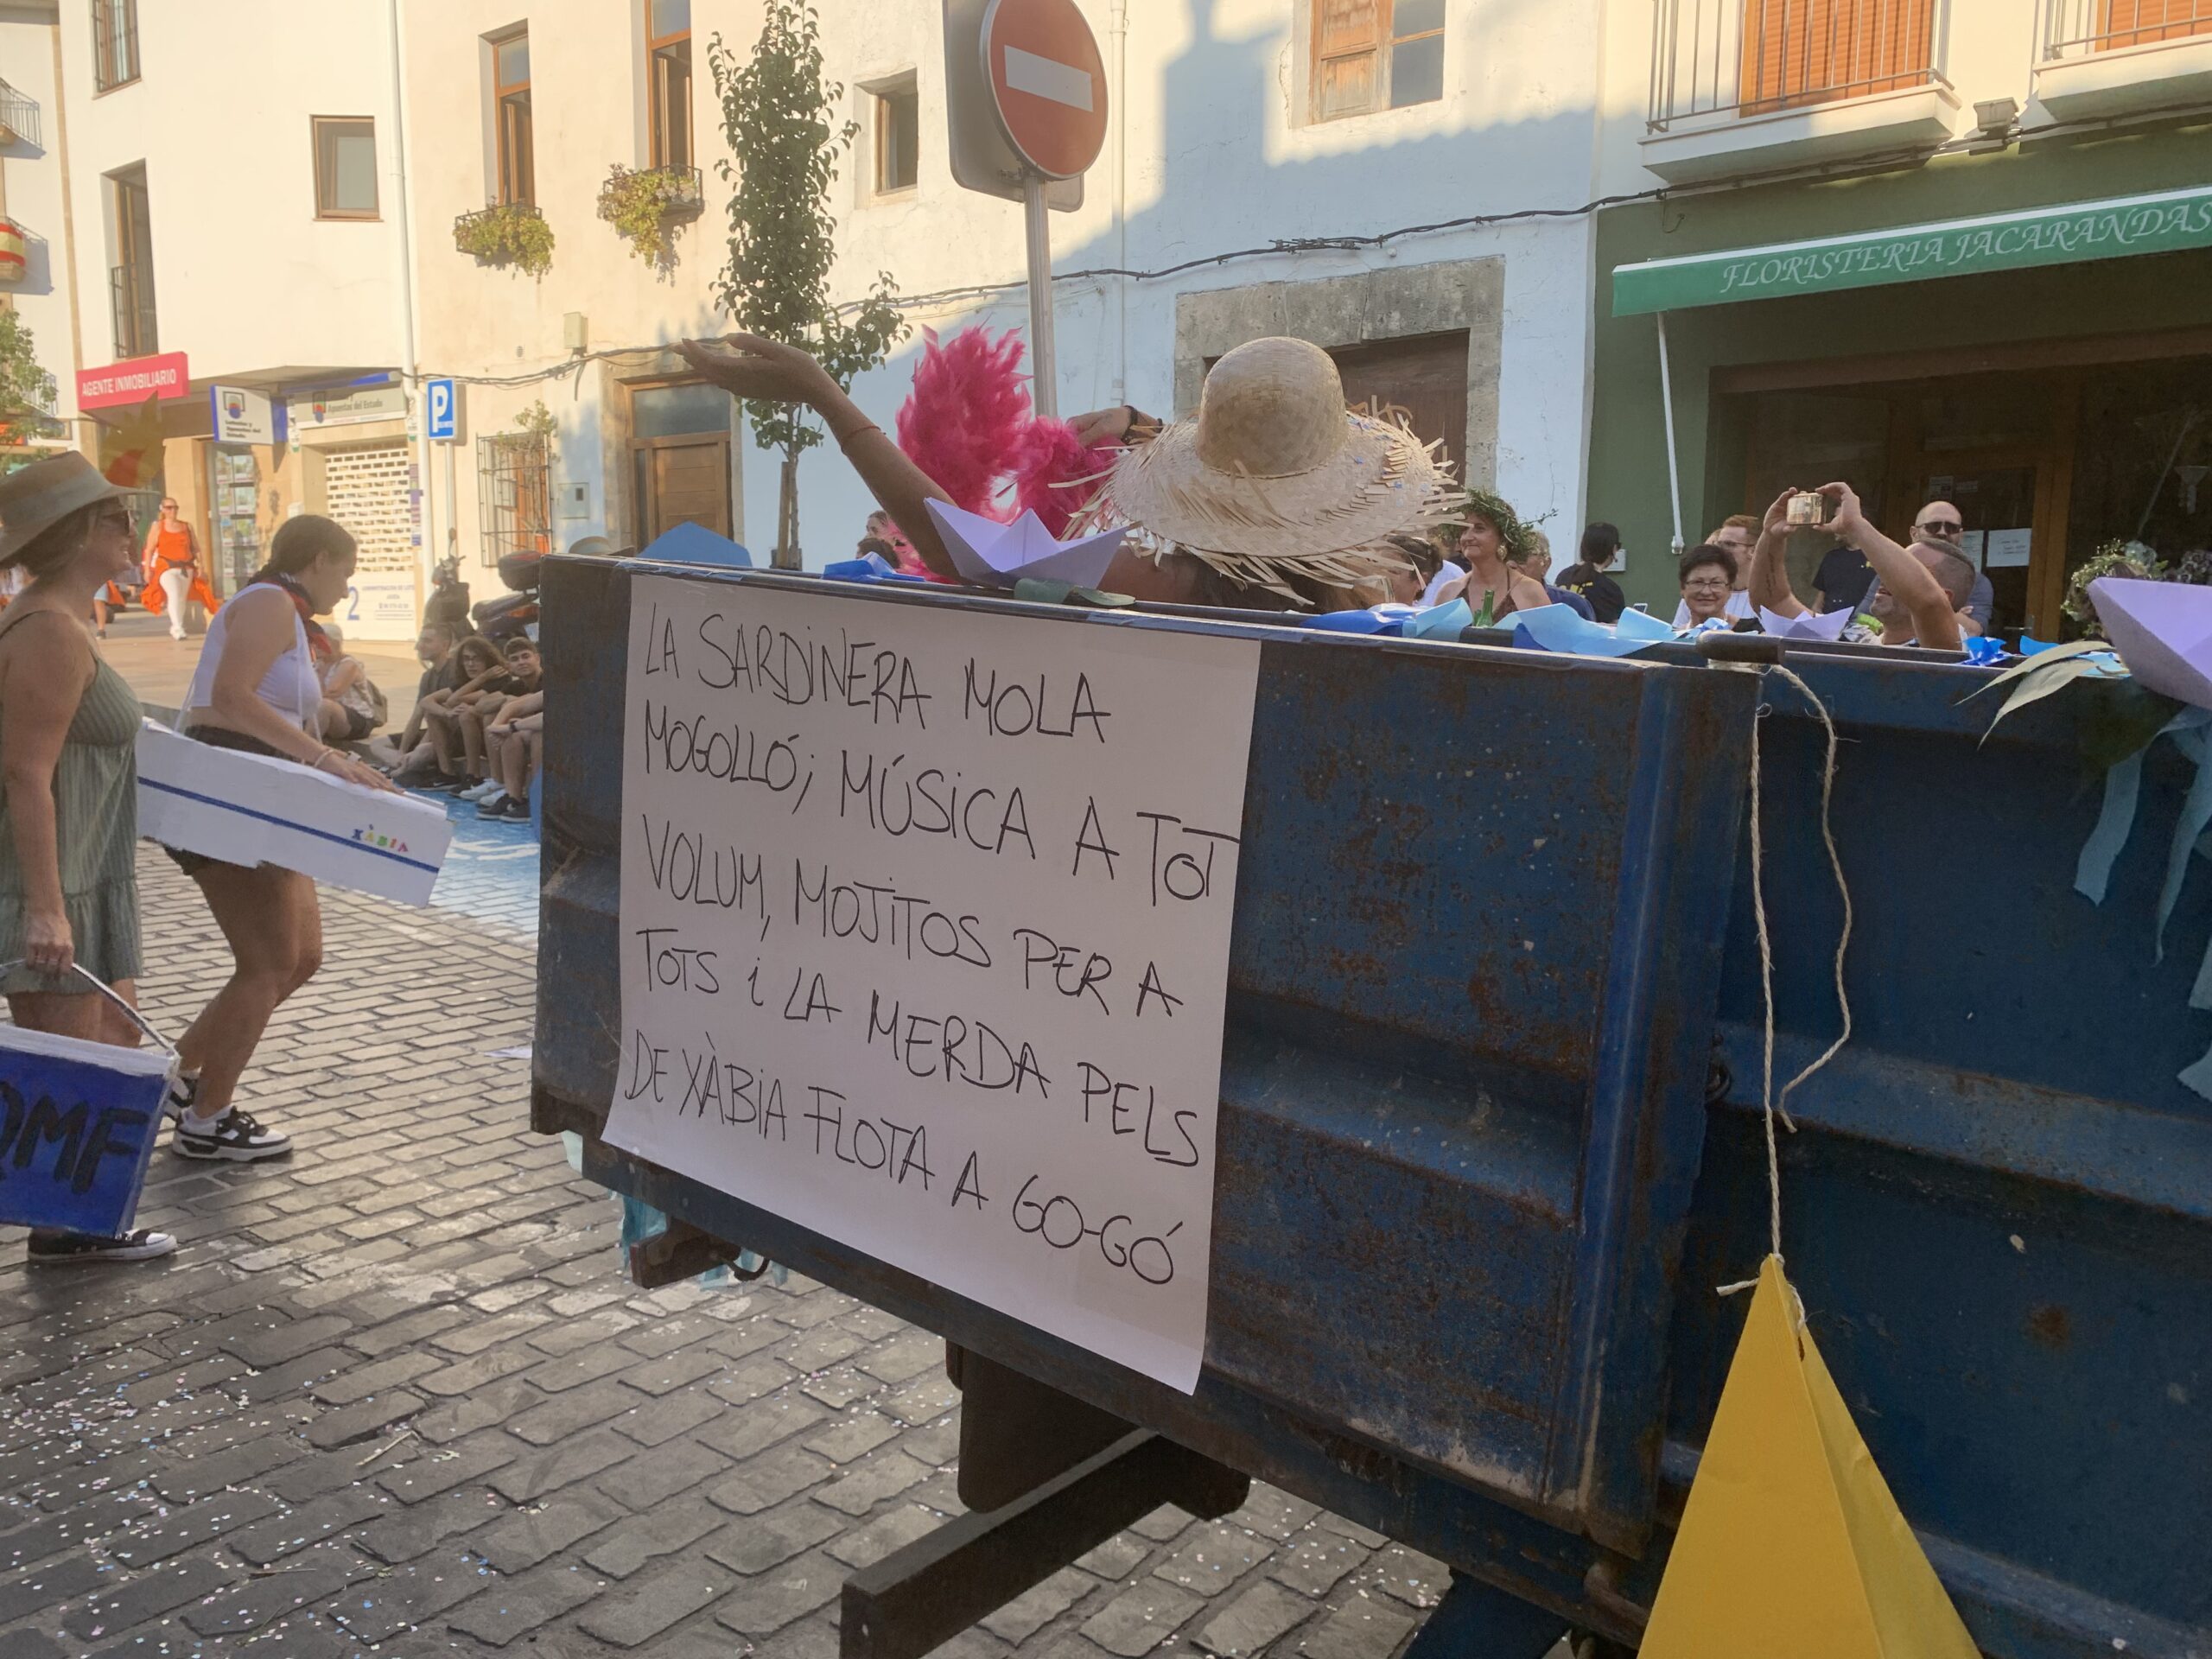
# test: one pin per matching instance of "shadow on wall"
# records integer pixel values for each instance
(1219, 193)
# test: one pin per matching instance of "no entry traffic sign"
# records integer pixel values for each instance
(1048, 82)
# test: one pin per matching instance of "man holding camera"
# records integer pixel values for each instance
(1921, 589)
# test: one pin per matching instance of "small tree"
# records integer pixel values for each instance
(27, 390)
(779, 117)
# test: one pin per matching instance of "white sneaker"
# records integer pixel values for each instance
(483, 791)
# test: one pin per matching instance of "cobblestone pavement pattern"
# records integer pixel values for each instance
(397, 1398)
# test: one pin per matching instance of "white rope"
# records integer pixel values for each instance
(1770, 1108)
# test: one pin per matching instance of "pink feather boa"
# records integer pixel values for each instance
(967, 423)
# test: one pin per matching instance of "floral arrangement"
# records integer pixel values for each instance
(645, 205)
(506, 233)
(2129, 559)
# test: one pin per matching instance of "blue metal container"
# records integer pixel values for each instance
(1492, 917)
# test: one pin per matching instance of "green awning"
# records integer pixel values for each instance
(1912, 253)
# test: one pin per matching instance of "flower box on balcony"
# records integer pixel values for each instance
(645, 205)
(506, 233)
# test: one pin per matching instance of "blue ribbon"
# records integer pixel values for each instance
(1366, 622)
(869, 567)
(2195, 814)
(2123, 786)
(1985, 652)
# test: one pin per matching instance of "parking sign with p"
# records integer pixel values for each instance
(441, 411)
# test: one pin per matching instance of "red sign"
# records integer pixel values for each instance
(134, 382)
(1048, 81)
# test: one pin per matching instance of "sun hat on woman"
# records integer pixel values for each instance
(1274, 480)
(40, 496)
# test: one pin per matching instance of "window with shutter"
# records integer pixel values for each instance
(1375, 54)
(2142, 22)
(1798, 52)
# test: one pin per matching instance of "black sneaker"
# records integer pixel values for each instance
(515, 811)
(61, 1249)
(234, 1138)
(183, 1096)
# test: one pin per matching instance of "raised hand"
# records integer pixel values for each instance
(747, 366)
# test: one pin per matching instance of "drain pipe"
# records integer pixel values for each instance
(409, 378)
(1667, 403)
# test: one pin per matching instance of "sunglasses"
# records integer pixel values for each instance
(1943, 526)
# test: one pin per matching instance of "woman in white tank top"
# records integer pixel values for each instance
(255, 688)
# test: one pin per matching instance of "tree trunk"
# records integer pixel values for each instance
(787, 553)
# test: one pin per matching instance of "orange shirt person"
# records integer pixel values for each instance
(171, 562)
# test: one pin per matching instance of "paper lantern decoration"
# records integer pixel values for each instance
(1790, 1543)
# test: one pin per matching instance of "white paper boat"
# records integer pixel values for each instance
(1806, 624)
(993, 555)
(2163, 631)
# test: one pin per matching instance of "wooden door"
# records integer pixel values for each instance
(687, 481)
(1809, 51)
(1421, 381)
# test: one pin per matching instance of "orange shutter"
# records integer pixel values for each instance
(2140, 23)
(1347, 50)
(1808, 51)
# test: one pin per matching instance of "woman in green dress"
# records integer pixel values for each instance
(69, 784)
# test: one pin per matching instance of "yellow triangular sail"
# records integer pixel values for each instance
(1791, 1547)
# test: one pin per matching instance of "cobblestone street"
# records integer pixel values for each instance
(396, 1397)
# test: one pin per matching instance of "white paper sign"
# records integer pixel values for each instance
(2005, 547)
(925, 919)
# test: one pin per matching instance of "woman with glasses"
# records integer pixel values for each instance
(171, 557)
(69, 807)
(1708, 578)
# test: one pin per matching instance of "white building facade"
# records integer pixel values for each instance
(405, 192)
(34, 201)
(1266, 168)
(231, 240)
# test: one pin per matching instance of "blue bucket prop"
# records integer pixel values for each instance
(78, 1124)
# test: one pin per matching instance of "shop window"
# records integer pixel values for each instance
(515, 139)
(897, 137)
(345, 167)
(667, 81)
(1375, 54)
(114, 43)
(1798, 52)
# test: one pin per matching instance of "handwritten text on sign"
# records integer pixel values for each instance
(925, 922)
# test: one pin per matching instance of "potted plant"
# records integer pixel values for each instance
(645, 205)
(506, 233)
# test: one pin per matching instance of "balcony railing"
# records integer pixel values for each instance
(18, 117)
(1717, 58)
(131, 290)
(2074, 29)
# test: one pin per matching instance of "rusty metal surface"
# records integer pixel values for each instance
(1457, 1182)
(1423, 1042)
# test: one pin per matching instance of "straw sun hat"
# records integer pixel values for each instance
(1275, 479)
(40, 496)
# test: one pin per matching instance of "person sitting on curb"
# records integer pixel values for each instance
(1919, 590)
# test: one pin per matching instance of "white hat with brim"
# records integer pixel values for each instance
(1275, 479)
(36, 497)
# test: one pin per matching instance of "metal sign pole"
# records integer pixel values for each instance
(1044, 393)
